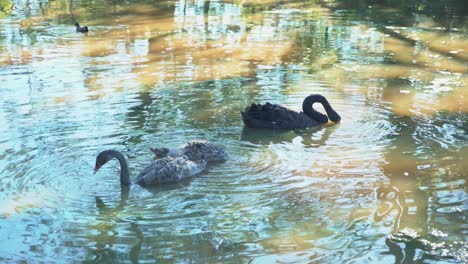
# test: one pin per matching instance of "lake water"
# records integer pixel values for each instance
(388, 184)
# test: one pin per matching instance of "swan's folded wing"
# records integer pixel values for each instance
(169, 169)
(158, 171)
(204, 150)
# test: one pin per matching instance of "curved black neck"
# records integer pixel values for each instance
(124, 172)
(314, 114)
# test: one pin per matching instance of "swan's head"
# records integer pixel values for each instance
(102, 158)
(77, 25)
(334, 116)
(160, 152)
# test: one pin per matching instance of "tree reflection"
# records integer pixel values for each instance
(443, 11)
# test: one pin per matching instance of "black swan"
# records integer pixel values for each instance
(274, 116)
(195, 150)
(168, 169)
(81, 29)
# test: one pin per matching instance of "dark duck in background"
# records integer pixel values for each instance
(272, 116)
(83, 29)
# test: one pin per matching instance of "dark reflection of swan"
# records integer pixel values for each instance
(116, 228)
(195, 150)
(108, 235)
(168, 169)
(266, 137)
(103, 209)
(274, 116)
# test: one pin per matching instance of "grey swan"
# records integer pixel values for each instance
(195, 150)
(81, 29)
(168, 169)
(272, 116)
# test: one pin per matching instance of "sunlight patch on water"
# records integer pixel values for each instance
(22, 202)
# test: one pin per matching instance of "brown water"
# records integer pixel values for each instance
(387, 184)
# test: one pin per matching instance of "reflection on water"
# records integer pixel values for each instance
(387, 184)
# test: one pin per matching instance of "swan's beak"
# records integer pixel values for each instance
(96, 168)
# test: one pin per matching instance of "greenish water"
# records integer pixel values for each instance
(386, 185)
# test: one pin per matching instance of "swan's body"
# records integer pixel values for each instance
(81, 29)
(273, 116)
(195, 150)
(168, 169)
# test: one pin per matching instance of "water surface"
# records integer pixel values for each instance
(387, 184)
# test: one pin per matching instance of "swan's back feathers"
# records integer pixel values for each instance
(276, 117)
(204, 150)
(195, 150)
(169, 169)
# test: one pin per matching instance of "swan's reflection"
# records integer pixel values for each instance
(111, 226)
(267, 137)
(169, 186)
(104, 210)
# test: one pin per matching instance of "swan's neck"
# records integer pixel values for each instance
(124, 172)
(312, 113)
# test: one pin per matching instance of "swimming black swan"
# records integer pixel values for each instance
(81, 29)
(195, 150)
(278, 117)
(168, 169)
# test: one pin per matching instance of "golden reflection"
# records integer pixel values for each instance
(405, 51)
(149, 75)
(132, 27)
(401, 100)
(99, 90)
(442, 92)
(188, 43)
(96, 47)
(197, 60)
(455, 101)
(177, 48)
(393, 72)
(454, 45)
(23, 202)
(265, 3)
(17, 56)
(290, 243)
